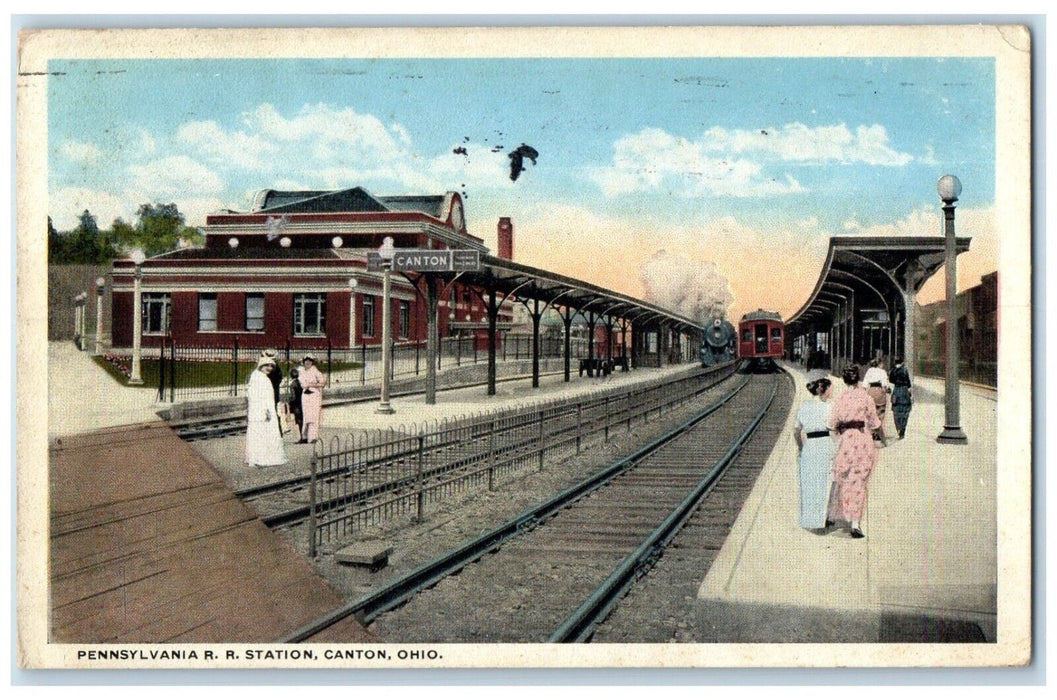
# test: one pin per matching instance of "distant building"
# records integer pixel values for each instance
(977, 312)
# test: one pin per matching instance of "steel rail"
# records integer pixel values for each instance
(300, 513)
(403, 589)
(529, 446)
(579, 626)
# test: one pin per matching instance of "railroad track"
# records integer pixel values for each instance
(286, 504)
(554, 572)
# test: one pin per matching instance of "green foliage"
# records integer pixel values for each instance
(86, 244)
(159, 228)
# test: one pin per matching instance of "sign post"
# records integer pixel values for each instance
(425, 260)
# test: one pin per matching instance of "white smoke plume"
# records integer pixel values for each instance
(695, 290)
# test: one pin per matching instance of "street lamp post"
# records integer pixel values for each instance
(77, 313)
(137, 257)
(99, 287)
(949, 188)
(386, 252)
(353, 283)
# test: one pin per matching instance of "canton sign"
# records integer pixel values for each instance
(412, 260)
(422, 260)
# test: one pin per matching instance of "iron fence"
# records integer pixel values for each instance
(407, 472)
(189, 372)
(202, 372)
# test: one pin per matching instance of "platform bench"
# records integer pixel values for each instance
(595, 367)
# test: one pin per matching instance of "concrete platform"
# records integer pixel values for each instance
(927, 570)
(82, 397)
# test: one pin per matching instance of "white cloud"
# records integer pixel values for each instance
(212, 143)
(799, 143)
(65, 206)
(321, 146)
(920, 222)
(732, 162)
(654, 160)
(175, 178)
(195, 209)
(334, 135)
(479, 168)
(80, 152)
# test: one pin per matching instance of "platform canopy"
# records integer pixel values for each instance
(863, 302)
(531, 283)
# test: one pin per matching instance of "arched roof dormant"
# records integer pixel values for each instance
(874, 272)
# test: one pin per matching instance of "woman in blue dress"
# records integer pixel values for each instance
(815, 452)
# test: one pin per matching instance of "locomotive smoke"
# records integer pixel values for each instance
(693, 289)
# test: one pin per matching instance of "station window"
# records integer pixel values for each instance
(310, 314)
(405, 319)
(255, 312)
(207, 311)
(156, 311)
(368, 316)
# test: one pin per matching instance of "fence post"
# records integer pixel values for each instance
(363, 364)
(491, 457)
(161, 371)
(420, 487)
(172, 369)
(312, 506)
(541, 439)
(235, 368)
(628, 395)
(606, 419)
(579, 424)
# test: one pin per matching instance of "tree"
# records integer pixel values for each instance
(56, 244)
(158, 229)
(86, 244)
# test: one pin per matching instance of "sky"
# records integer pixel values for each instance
(729, 172)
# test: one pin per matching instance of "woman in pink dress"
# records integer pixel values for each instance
(312, 383)
(854, 417)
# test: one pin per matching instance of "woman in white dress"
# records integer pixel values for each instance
(815, 452)
(264, 442)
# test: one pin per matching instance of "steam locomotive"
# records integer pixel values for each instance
(720, 343)
(760, 338)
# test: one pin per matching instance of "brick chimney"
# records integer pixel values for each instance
(506, 238)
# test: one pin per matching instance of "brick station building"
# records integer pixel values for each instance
(280, 274)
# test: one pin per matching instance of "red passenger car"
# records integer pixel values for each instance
(761, 335)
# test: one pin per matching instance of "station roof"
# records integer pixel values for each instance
(514, 279)
(504, 276)
(354, 199)
(874, 270)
